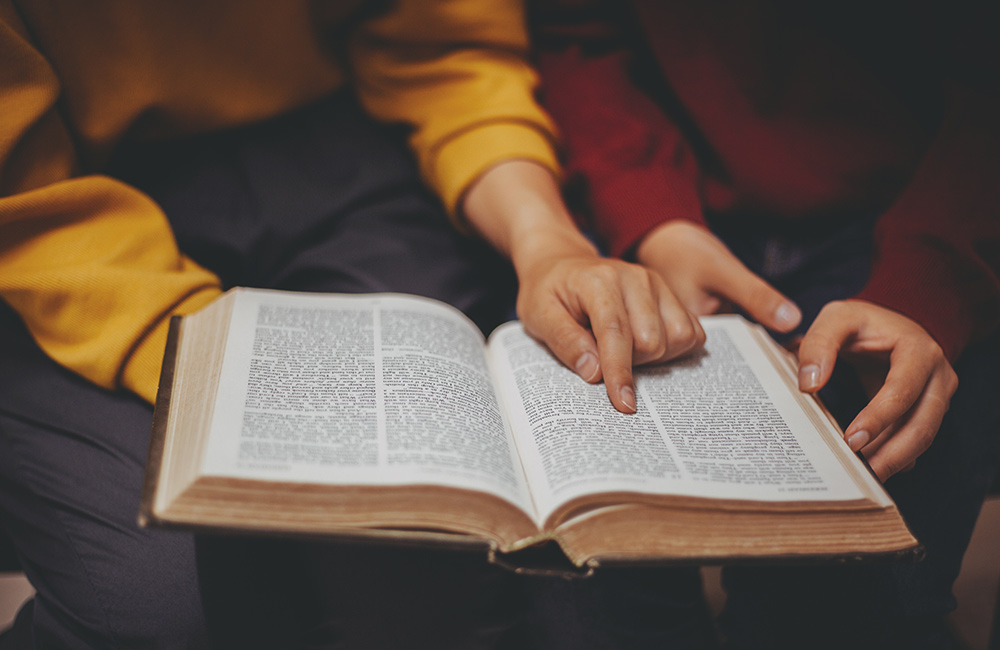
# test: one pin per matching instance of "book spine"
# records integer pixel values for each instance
(158, 434)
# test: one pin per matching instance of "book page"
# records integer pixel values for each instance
(359, 390)
(719, 424)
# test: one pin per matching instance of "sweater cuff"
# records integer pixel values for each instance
(934, 289)
(465, 157)
(631, 204)
(141, 373)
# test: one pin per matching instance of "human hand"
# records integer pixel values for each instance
(598, 316)
(898, 362)
(705, 275)
(601, 316)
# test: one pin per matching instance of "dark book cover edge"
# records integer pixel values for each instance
(157, 439)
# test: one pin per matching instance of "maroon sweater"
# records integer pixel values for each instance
(671, 109)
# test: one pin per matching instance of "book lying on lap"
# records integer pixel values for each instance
(390, 417)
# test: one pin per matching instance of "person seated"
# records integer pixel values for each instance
(829, 171)
(153, 155)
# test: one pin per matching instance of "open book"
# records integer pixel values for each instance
(389, 416)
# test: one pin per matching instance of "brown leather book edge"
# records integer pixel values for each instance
(161, 410)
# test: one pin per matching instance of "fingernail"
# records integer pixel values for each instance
(857, 440)
(787, 315)
(809, 377)
(628, 397)
(587, 366)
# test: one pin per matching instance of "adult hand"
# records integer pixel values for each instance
(598, 316)
(705, 275)
(901, 364)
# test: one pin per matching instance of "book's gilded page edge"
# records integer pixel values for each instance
(205, 353)
(668, 537)
(823, 420)
(385, 536)
(161, 414)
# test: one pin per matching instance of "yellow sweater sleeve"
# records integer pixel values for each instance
(89, 263)
(458, 74)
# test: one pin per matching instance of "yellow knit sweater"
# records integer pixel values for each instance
(90, 263)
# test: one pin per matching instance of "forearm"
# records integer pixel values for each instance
(89, 263)
(517, 207)
(92, 268)
(456, 73)
(933, 258)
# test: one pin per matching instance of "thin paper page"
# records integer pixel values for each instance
(720, 424)
(369, 389)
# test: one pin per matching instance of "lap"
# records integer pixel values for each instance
(888, 604)
(321, 200)
(879, 604)
(71, 465)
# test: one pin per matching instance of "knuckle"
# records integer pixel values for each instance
(603, 273)
(681, 334)
(699, 337)
(834, 310)
(951, 381)
(568, 337)
(827, 310)
(934, 356)
(565, 339)
(614, 326)
(893, 401)
(892, 466)
(643, 277)
(926, 439)
(922, 438)
(649, 342)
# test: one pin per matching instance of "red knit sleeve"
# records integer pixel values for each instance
(636, 170)
(938, 247)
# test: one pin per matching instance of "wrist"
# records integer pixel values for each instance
(544, 242)
(517, 207)
(666, 235)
